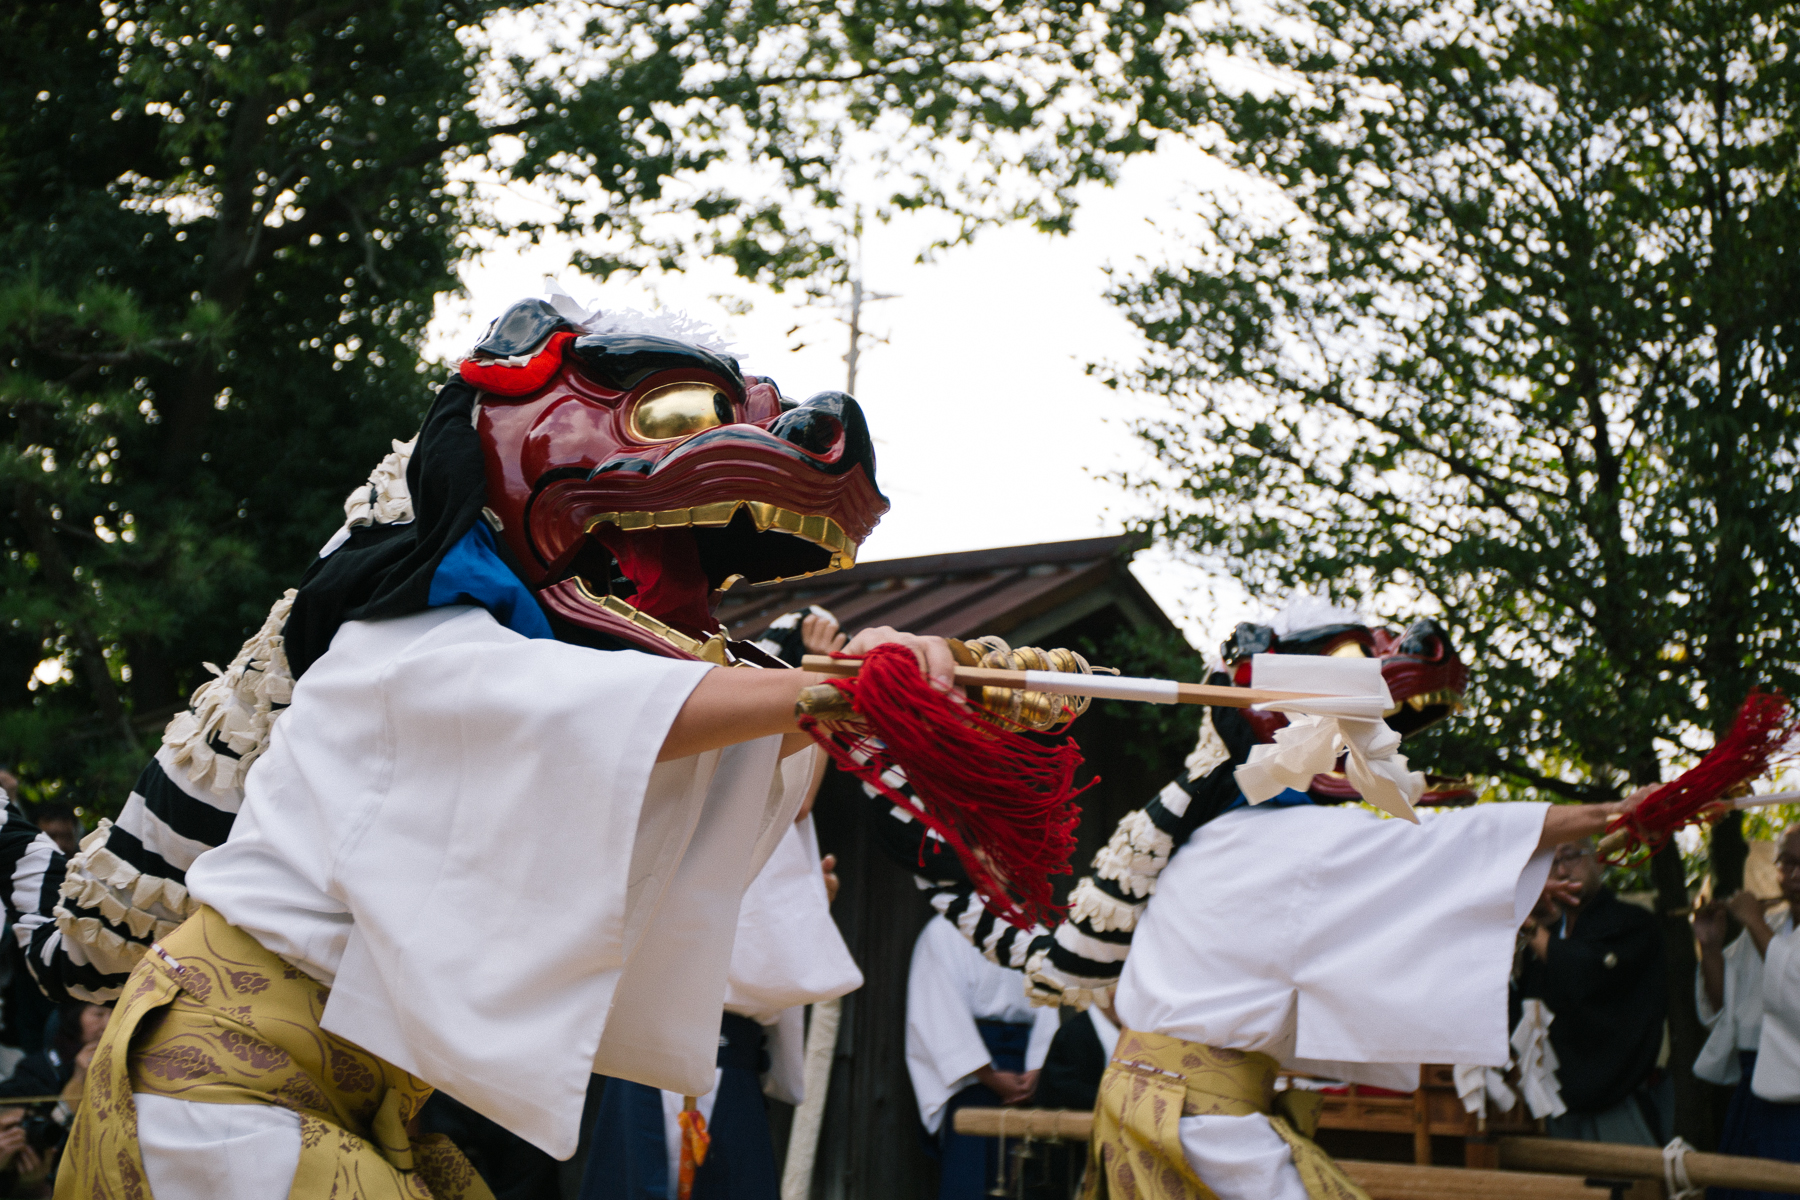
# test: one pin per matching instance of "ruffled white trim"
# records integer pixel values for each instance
(238, 707)
(107, 951)
(99, 880)
(384, 500)
(1135, 854)
(1045, 985)
(1101, 912)
(1208, 752)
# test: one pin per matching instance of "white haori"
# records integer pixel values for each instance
(1337, 943)
(1761, 1013)
(466, 834)
(788, 954)
(949, 988)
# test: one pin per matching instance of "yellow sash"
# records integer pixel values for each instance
(1153, 1081)
(209, 1015)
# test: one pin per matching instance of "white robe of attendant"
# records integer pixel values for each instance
(949, 988)
(1335, 942)
(788, 954)
(1761, 1013)
(465, 833)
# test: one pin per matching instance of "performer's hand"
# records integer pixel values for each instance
(933, 654)
(1710, 926)
(820, 634)
(828, 865)
(1030, 1082)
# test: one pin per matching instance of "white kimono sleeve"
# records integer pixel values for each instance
(1777, 1076)
(943, 1046)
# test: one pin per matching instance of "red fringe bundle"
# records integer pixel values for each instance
(1763, 731)
(1004, 803)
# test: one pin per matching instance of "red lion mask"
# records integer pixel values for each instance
(635, 477)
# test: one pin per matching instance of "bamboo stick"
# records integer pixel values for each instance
(1115, 687)
(1644, 1162)
(1065, 1124)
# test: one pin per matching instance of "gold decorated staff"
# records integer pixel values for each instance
(1097, 687)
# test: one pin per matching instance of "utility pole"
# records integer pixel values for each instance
(858, 295)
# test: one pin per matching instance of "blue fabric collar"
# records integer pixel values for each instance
(473, 573)
(1286, 798)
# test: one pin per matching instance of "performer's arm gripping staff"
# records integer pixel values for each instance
(728, 707)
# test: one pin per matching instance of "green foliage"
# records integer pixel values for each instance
(223, 227)
(1505, 330)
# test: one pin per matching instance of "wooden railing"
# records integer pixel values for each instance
(1533, 1168)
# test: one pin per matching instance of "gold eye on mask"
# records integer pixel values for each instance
(680, 410)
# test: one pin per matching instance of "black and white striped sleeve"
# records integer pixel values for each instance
(128, 884)
(34, 871)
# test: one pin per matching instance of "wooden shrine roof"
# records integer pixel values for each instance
(1022, 593)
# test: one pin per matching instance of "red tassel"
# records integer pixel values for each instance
(1003, 802)
(1764, 731)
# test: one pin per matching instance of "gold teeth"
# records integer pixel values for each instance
(820, 531)
(1443, 697)
(712, 650)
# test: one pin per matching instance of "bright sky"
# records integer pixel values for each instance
(988, 430)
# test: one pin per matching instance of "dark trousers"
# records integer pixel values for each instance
(628, 1154)
(967, 1166)
(1757, 1128)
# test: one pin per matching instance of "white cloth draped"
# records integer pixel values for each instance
(1761, 1012)
(194, 1151)
(949, 988)
(466, 833)
(1349, 723)
(1335, 941)
(788, 954)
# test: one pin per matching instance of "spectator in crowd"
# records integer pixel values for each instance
(61, 1067)
(1749, 997)
(60, 825)
(1598, 965)
(972, 1040)
(24, 1168)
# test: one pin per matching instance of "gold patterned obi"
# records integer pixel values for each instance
(1153, 1081)
(209, 1015)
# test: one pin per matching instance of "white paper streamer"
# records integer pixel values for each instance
(1345, 717)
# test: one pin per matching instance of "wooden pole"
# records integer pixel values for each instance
(1553, 1155)
(1120, 687)
(803, 1138)
(1644, 1162)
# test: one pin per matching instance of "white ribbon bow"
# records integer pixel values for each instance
(1344, 718)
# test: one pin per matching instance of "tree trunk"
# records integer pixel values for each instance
(1696, 1118)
